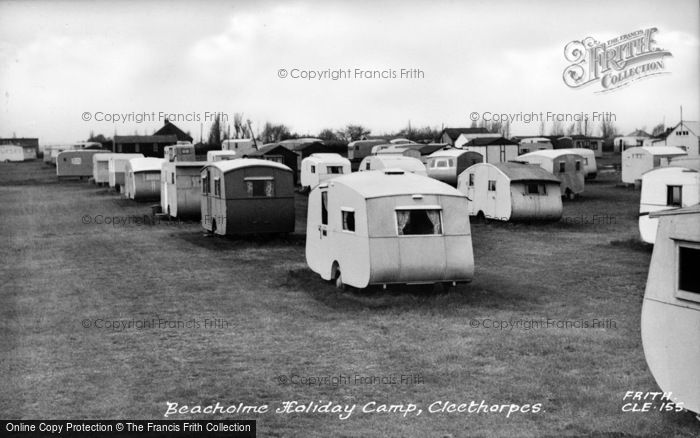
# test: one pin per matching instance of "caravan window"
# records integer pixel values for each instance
(205, 182)
(471, 180)
(562, 167)
(348, 220)
(418, 222)
(578, 165)
(324, 208)
(492, 185)
(688, 275)
(367, 167)
(536, 189)
(334, 169)
(260, 188)
(313, 169)
(674, 196)
(442, 163)
(217, 186)
(172, 178)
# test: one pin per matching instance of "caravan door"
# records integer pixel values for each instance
(323, 227)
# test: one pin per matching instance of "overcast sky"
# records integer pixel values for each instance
(59, 60)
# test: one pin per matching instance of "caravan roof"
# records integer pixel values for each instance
(549, 153)
(675, 211)
(229, 165)
(448, 153)
(399, 161)
(148, 164)
(684, 161)
(528, 140)
(663, 150)
(525, 172)
(391, 182)
(328, 157)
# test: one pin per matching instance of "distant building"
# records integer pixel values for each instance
(24, 142)
(148, 145)
(279, 154)
(493, 149)
(633, 139)
(450, 135)
(684, 135)
(170, 129)
(593, 143)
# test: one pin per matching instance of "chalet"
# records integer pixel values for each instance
(170, 129)
(148, 145)
(450, 135)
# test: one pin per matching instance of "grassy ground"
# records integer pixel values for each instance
(283, 320)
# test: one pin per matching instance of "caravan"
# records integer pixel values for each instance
(142, 178)
(75, 163)
(320, 167)
(117, 166)
(531, 144)
(381, 162)
(11, 152)
(100, 167)
(662, 189)
(590, 167)
(247, 196)
(566, 166)
(183, 151)
(241, 146)
(670, 322)
(220, 155)
(638, 160)
(378, 228)
(181, 184)
(447, 164)
(511, 192)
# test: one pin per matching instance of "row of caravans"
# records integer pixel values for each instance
(230, 196)
(529, 189)
(375, 227)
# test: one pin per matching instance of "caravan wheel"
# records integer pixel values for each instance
(339, 280)
(338, 276)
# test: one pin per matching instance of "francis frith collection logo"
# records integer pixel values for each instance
(614, 63)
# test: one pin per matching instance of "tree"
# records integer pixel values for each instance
(421, 135)
(215, 133)
(556, 129)
(354, 133)
(99, 138)
(541, 128)
(607, 128)
(571, 129)
(240, 127)
(328, 135)
(658, 130)
(274, 133)
(505, 129)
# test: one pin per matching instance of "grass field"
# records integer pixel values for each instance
(281, 319)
